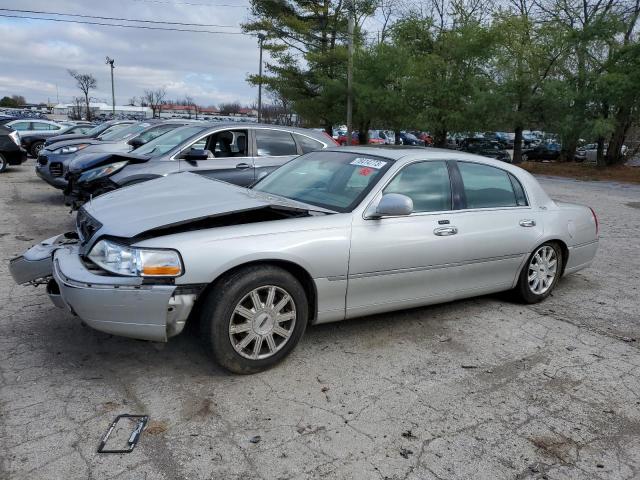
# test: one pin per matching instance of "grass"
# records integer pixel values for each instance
(581, 171)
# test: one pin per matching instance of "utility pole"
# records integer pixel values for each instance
(351, 27)
(261, 37)
(113, 92)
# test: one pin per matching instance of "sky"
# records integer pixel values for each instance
(211, 68)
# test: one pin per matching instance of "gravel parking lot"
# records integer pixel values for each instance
(483, 388)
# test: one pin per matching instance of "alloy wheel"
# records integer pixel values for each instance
(543, 268)
(262, 322)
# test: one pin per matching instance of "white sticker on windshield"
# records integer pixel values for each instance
(369, 162)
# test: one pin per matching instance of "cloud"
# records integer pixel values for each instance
(35, 55)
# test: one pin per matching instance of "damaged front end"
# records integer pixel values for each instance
(35, 266)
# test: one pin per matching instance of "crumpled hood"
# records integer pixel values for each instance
(91, 158)
(173, 200)
(66, 137)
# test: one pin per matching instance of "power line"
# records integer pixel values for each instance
(125, 26)
(116, 18)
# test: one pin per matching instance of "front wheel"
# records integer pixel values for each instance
(541, 273)
(253, 318)
(35, 148)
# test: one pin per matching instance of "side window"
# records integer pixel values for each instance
(21, 126)
(486, 187)
(275, 143)
(228, 143)
(426, 183)
(308, 144)
(39, 126)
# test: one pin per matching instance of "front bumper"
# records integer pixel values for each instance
(113, 304)
(119, 305)
(43, 169)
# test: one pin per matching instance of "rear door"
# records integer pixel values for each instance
(229, 157)
(495, 228)
(273, 148)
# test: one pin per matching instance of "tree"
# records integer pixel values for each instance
(527, 54)
(230, 108)
(85, 82)
(154, 99)
(8, 102)
(306, 41)
(190, 104)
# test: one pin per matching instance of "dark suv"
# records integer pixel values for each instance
(11, 152)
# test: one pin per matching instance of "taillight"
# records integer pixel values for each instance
(595, 218)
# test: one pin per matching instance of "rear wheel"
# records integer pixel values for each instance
(253, 318)
(3, 163)
(35, 149)
(541, 273)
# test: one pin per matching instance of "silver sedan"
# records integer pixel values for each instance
(331, 235)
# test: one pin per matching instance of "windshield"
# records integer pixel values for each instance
(334, 180)
(168, 141)
(124, 133)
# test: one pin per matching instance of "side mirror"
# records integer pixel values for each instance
(393, 205)
(195, 154)
(136, 142)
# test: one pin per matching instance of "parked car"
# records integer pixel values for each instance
(11, 152)
(410, 139)
(377, 137)
(30, 126)
(34, 142)
(342, 138)
(54, 160)
(98, 131)
(542, 151)
(491, 149)
(229, 152)
(331, 235)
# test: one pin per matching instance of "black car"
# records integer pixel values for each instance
(11, 153)
(543, 151)
(33, 143)
(481, 146)
(95, 132)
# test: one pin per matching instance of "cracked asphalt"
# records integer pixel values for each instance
(482, 388)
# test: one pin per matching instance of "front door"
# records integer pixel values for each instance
(404, 261)
(228, 159)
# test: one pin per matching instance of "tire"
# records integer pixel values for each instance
(233, 337)
(35, 149)
(540, 274)
(3, 163)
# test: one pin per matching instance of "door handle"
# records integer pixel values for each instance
(527, 223)
(445, 231)
(243, 166)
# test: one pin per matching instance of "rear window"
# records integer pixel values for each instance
(275, 143)
(308, 144)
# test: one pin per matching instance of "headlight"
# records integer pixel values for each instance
(15, 137)
(71, 148)
(136, 262)
(103, 171)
